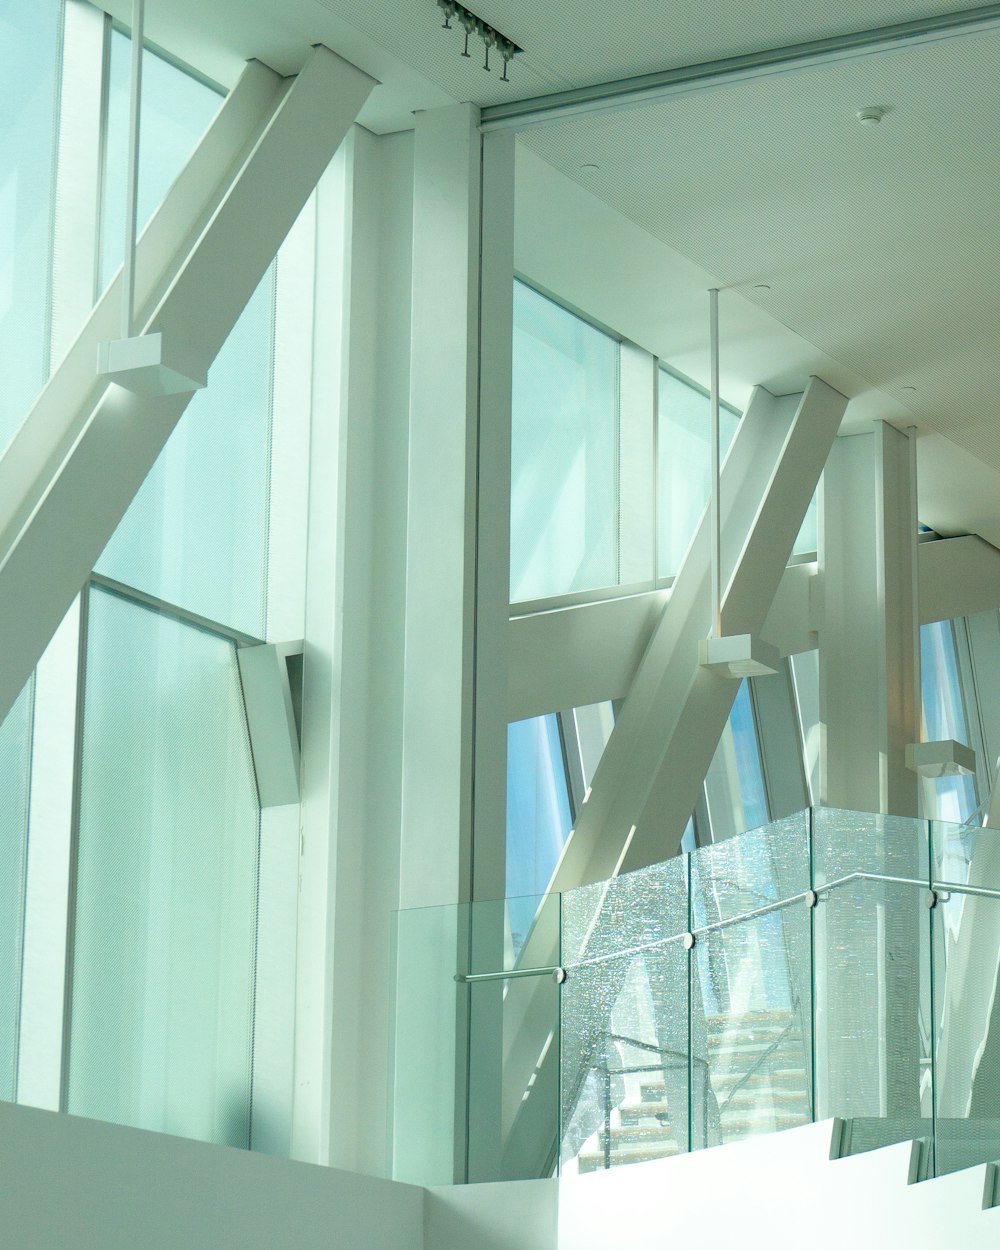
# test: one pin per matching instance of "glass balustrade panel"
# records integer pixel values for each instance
(626, 1087)
(966, 954)
(872, 976)
(751, 988)
(493, 1115)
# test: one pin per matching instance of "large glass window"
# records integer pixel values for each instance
(538, 814)
(734, 786)
(176, 110)
(943, 717)
(15, 770)
(564, 501)
(684, 465)
(29, 64)
(162, 985)
(196, 533)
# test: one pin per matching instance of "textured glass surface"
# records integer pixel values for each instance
(176, 111)
(872, 969)
(15, 771)
(29, 64)
(196, 534)
(943, 717)
(684, 465)
(751, 1005)
(564, 436)
(163, 957)
(625, 1082)
(538, 814)
(966, 1003)
(734, 785)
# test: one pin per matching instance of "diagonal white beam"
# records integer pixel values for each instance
(74, 467)
(646, 784)
(670, 723)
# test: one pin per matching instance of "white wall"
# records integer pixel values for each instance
(74, 1184)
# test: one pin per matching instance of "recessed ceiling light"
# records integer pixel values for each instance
(589, 169)
(871, 115)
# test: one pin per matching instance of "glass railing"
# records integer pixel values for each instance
(831, 964)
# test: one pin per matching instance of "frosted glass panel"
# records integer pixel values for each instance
(29, 60)
(167, 872)
(564, 492)
(176, 111)
(684, 465)
(196, 533)
(15, 771)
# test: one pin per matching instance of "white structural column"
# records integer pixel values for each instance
(454, 682)
(869, 637)
(869, 711)
(85, 448)
(439, 710)
(647, 782)
(455, 696)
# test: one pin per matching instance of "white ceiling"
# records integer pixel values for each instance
(878, 243)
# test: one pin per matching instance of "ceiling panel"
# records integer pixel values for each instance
(569, 43)
(878, 243)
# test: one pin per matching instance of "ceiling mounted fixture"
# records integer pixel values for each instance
(473, 25)
(872, 115)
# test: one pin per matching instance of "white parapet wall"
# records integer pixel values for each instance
(74, 1183)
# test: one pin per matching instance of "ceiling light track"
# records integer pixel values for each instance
(652, 88)
(471, 25)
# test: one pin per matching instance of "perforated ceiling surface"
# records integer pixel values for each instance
(880, 244)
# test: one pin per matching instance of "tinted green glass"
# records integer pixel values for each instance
(474, 1064)
(564, 452)
(684, 465)
(196, 534)
(163, 957)
(29, 65)
(15, 773)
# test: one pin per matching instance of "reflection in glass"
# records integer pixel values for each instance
(734, 785)
(538, 816)
(943, 717)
